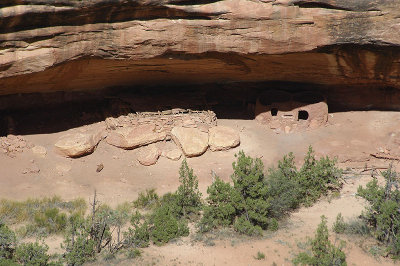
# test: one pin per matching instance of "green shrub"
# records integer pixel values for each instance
(50, 221)
(43, 216)
(133, 253)
(166, 226)
(7, 242)
(8, 262)
(100, 231)
(317, 177)
(357, 227)
(220, 209)
(339, 226)
(324, 253)
(259, 201)
(273, 224)
(249, 182)
(147, 199)
(138, 236)
(383, 214)
(79, 247)
(188, 195)
(13, 212)
(32, 254)
(244, 226)
(283, 187)
(260, 256)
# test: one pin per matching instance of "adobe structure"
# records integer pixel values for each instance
(283, 111)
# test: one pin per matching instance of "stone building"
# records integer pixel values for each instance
(289, 112)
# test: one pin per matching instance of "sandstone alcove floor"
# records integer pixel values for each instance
(351, 136)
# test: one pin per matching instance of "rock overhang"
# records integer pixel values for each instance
(49, 46)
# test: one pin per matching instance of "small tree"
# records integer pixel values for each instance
(220, 209)
(383, 213)
(166, 225)
(316, 177)
(283, 188)
(188, 195)
(138, 236)
(324, 253)
(249, 182)
(79, 247)
(339, 226)
(32, 254)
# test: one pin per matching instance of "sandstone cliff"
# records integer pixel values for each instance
(63, 45)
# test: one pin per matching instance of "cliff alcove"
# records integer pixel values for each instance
(114, 95)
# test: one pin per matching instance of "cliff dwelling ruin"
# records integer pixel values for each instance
(113, 96)
(286, 112)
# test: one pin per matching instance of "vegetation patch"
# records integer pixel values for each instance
(257, 200)
(41, 216)
(383, 212)
(147, 199)
(323, 252)
(260, 256)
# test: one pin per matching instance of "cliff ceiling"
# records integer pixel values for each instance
(64, 45)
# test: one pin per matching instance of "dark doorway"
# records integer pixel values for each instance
(274, 111)
(303, 115)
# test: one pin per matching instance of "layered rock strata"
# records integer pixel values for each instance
(64, 45)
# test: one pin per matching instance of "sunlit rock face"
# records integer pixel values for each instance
(65, 45)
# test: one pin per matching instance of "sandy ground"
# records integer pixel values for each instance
(350, 136)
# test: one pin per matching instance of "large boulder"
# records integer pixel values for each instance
(223, 138)
(77, 144)
(133, 137)
(192, 141)
(81, 142)
(148, 155)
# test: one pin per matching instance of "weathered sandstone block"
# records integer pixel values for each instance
(223, 138)
(192, 141)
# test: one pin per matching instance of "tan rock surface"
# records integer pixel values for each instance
(39, 150)
(223, 138)
(192, 141)
(133, 137)
(73, 45)
(83, 142)
(76, 145)
(174, 154)
(148, 155)
(62, 169)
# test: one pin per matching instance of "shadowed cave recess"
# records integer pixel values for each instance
(231, 85)
(69, 63)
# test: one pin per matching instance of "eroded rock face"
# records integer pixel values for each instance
(192, 141)
(72, 45)
(223, 138)
(133, 137)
